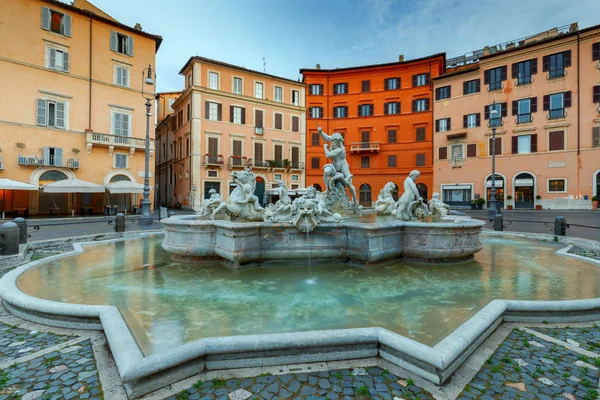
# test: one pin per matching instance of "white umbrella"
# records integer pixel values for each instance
(72, 185)
(9, 184)
(125, 187)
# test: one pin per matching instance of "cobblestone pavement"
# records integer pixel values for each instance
(358, 383)
(585, 252)
(16, 342)
(587, 338)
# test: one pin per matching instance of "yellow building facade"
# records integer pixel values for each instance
(71, 104)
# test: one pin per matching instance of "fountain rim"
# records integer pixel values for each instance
(435, 364)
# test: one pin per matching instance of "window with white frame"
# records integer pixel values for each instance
(278, 94)
(421, 105)
(56, 21)
(213, 111)
(213, 80)
(471, 120)
(52, 113)
(121, 160)
(315, 112)
(121, 43)
(295, 178)
(258, 90)
(121, 124)
(121, 75)
(524, 144)
(524, 111)
(558, 185)
(295, 97)
(237, 115)
(443, 124)
(57, 58)
(237, 86)
(278, 177)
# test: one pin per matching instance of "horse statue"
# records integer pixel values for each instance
(385, 201)
(242, 203)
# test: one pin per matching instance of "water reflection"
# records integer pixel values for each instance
(168, 303)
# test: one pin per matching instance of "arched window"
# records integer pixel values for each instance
(119, 178)
(395, 192)
(52, 176)
(365, 195)
(422, 188)
(318, 187)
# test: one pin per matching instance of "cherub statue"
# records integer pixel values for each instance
(208, 205)
(437, 207)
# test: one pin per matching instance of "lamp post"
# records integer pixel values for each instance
(146, 218)
(492, 204)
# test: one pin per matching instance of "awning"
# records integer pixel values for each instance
(125, 187)
(9, 184)
(499, 183)
(524, 182)
(72, 186)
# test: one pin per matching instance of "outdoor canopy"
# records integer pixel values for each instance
(72, 185)
(125, 187)
(9, 184)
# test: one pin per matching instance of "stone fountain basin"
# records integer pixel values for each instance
(247, 244)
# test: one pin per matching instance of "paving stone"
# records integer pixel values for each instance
(239, 394)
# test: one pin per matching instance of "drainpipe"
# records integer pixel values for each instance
(90, 79)
(578, 116)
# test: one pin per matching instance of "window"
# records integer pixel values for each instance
(498, 147)
(189, 79)
(596, 51)
(121, 43)
(52, 156)
(121, 160)
(56, 22)
(420, 162)
(443, 153)
(314, 163)
(258, 118)
(472, 120)
(442, 125)
(556, 103)
(524, 144)
(473, 86)
(171, 101)
(278, 124)
(556, 140)
(213, 80)
(295, 124)
(557, 185)
(365, 138)
(523, 109)
(365, 110)
(187, 146)
(522, 71)
(258, 90)
(188, 111)
(392, 135)
(295, 157)
(238, 87)
(420, 105)
(494, 113)
(494, 77)
(121, 124)
(471, 150)
(365, 162)
(121, 76)
(456, 151)
(596, 94)
(180, 148)
(213, 111)
(366, 86)
(555, 64)
(58, 59)
(295, 97)
(315, 112)
(391, 161)
(442, 93)
(340, 112)
(316, 139)
(295, 178)
(391, 108)
(258, 154)
(315, 90)
(278, 94)
(420, 80)
(596, 136)
(179, 118)
(391, 83)
(365, 195)
(237, 115)
(52, 113)
(340, 88)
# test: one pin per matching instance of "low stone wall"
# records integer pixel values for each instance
(247, 244)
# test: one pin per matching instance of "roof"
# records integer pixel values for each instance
(224, 64)
(158, 39)
(391, 64)
(158, 94)
(461, 69)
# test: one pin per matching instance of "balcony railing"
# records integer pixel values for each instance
(104, 139)
(258, 130)
(297, 165)
(365, 146)
(261, 164)
(215, 161)
(238, 162)
(557, 114)
(35, 161)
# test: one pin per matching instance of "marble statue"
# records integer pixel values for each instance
(209, 205)
(437, 207)
(242, 203)
(410, 206)
(385, 203)
(281, 210)
(337, 176)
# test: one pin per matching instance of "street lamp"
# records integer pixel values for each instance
(492, 204)
(146, 218)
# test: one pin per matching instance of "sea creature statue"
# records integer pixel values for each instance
(281, 210)
(242, 204)
(410, 206)
(385, 203)
(437, 208)
(209, 205)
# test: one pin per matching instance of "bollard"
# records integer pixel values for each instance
(9, 239)
(120, 222)
(560, 226)
(22, 223)
(498, 222)
(163, 213)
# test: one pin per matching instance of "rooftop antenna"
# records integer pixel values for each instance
(264, 65)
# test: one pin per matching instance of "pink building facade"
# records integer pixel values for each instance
(542, 95)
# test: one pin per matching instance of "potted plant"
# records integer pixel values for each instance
(480, 203)
(473, 204)
(272, 164)
(595, 202)
(509, 200)
(287, 164)
(538, 206)
(75, 150)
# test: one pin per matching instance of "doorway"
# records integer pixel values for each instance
(524, 191)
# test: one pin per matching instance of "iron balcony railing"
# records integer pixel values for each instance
(365, 146)
(261, 164)
(239, 162)
(297, 165)
(213, 160)
(35, 161)
(116, 140)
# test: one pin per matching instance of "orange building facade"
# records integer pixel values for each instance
(385, 114)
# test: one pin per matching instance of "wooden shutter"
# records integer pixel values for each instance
(366, 86)
(533, 104)
(427, 78)
(46, 155)
(113, 40)
(58, 155)
(443, 153)
(385, 108)
(295, 124)
(545, 63)
(295, 156)
(398, 107)
(437, 125)
(345, 88)
(533, 66)
(371, 109)
(596, 94)
(533, 139)
(66, 25)
(449, 124)
(258, 118)
(52, 58)
(65, 65)
(359, 111)
(414, 105)
(546, 105)
(472, 150)
(278, 152)
(320, 88)
(213, 146)
(465, 121)
(567, 99)
(414, 80)
(515, 107)
(596, 136)
(486, 76)
(449, 91)
(515, 144)
(426, 104)
(231, 113)
(42, 108)
(596, 51)
(219, 112)
(278, 121)
(498, 146)
(46, 18)
(465, 86)
(503, 73)
(514, 70)
(477, 85)
(556, 140)
(174, 122)
(503, 109)
(129, 46)
(386, 84)
(345, 111)
(478, 119)
(237, 147)
(321, 113)
(258, 152)
(567, 58)
(365, 136)
(60, 115)
(486, 112)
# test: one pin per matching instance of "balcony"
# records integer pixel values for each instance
(239, 162)
(213, 161)
(112, 141)
(35, 161)
(365, 146)
(297, 165)
(258, 130)
(261, 164)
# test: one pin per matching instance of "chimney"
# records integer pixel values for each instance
(401, 58)
(138, 27)
(486, 51)
(318, 66)
(574, 27)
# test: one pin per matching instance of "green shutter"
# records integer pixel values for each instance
(41, 112)
(46, 18)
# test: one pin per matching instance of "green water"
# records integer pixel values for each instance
(168, 303)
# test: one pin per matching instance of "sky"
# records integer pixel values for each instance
(290, 34)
